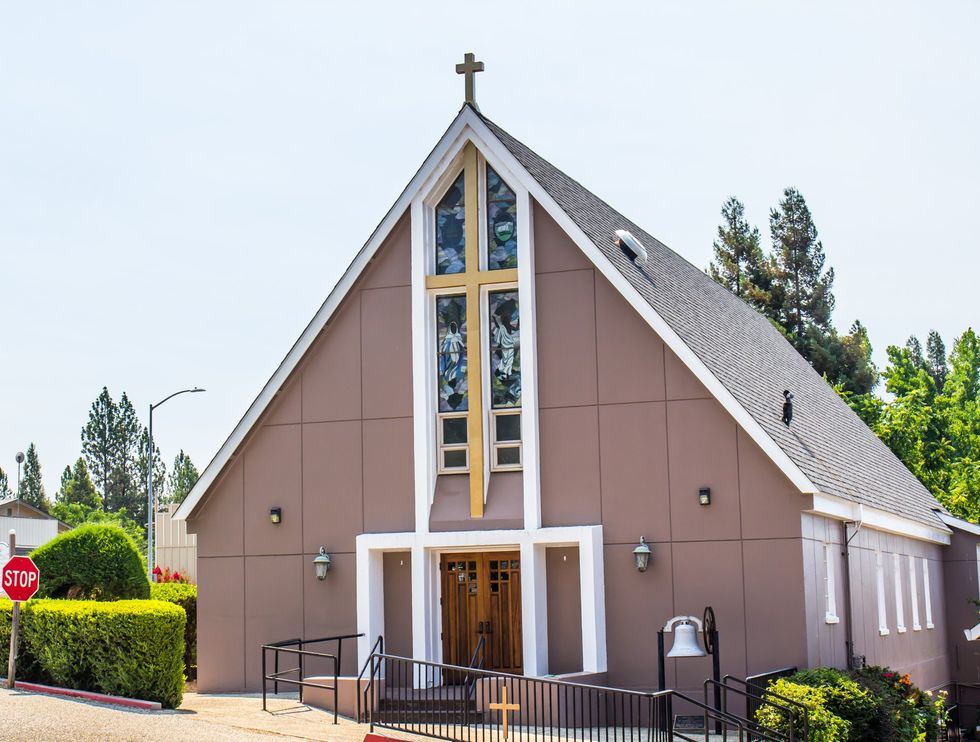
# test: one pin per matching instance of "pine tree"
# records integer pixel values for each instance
(159, 472)
(124, 487)
(802, 295)
(739, 264)
(5, 491)
(183, 476)
(100, 444)
(77, 487)
(936, 358)
(31, 485)
(914, 348)
(845, 360)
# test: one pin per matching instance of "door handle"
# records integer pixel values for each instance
(489, 628)
(479, 629)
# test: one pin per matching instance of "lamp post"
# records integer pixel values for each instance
(686, 645)
(19, 458)
(150, 510)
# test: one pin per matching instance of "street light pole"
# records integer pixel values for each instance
(150, 509)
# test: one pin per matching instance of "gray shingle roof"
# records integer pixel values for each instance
(828, 442)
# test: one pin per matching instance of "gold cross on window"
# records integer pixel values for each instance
(472, 280)
(504, 708)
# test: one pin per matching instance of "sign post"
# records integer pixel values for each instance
(20, 579)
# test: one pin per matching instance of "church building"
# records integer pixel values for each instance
(510, 396)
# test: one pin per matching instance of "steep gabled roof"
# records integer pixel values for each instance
(826, 439)
(744, 360)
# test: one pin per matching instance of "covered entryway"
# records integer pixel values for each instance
(481, 598)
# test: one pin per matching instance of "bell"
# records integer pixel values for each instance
(686, 642)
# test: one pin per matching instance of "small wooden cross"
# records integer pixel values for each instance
(505, 708)
(469, 68)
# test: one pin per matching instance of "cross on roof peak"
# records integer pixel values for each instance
(469, 67)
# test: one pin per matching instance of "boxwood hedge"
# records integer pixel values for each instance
(132, 648)
(184, 595)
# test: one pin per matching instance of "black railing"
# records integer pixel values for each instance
(962, 710)
(468, 704)
(378, 648)
(757, 685)
(793, 711)
(295, 648)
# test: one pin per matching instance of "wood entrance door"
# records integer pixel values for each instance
(481, 597)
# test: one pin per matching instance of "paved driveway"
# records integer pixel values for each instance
(206, 718)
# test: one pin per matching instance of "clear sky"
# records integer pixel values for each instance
(182, 183)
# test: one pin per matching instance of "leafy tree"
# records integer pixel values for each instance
(31, 485)
(802, 296)
(77, 487)
(183, 476)
(739, 264)
(77, 514)
(5, 490)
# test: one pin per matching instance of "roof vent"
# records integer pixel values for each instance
(631, 246)
(787, 407)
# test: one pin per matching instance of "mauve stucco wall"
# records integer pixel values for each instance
(564, 610)
(922, 653)
(334, 451)
(628, 436)
(960, 570)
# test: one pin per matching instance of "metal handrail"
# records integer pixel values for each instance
(755, 727)
(287, 646)
(379, 643)
(761, 698)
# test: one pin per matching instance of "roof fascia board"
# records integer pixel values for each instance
(959, 524)
(320, 319)
(838, 508)
(748, 423)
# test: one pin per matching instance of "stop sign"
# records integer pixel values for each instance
(20, 578)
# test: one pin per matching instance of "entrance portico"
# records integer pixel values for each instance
(427, 550)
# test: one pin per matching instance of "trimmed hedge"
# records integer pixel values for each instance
(184, 595)
(132, 648)
(92, 562)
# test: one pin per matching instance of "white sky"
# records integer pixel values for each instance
(182, 183)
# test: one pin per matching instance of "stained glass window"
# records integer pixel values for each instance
(505, 350)
(501, 223)
(451, 338)
(450, 230)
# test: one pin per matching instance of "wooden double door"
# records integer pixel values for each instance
(481, 598)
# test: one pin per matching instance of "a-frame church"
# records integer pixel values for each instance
(514, 390)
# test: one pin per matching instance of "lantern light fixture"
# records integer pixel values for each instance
(641, 555)
(275, 516)
(322, 564)
(704, 495)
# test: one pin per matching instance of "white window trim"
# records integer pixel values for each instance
(830, 586)
(882, 610)
(914, 594)
(899, 596)
(451, 446)
(495, 444)
(927, 593)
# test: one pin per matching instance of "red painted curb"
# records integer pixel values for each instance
(379, 738)
(89, 696)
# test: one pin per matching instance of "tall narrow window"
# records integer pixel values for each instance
(505, 379)
(899, 599)
(880, 580)
(452, 383)
(451, 230)
(927, 593)
(501, 223)
(830, 586)
(914, 595)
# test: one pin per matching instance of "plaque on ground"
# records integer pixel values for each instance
(689, 723)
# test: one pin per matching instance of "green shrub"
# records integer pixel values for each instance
(823, 725)
(97, 562)
(132, 648)
(844, 698)
(905, 713)
(186, 597)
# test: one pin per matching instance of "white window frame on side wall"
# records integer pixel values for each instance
(830, 587)
(927, 593)
(899, 597)
(880, 580)
(914, 595)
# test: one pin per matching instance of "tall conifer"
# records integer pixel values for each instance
(936, 358)
(31, 485)
(739, 264)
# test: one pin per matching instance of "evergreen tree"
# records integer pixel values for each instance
(5, 491)
(77, 487)
(845, 361)
(100, 444)
(182, 477)
(159, 473)
(802, 297)
(915, 350)
(124, 488)
(739, 264)
(31, 486)
(936, 357)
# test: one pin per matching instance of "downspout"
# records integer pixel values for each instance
(852, 659)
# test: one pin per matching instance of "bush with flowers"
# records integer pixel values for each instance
(166, 575)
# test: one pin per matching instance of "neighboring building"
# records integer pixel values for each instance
(497, 401)
(32, 525)
(174, 548)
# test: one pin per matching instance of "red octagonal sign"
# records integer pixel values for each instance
(20, 578)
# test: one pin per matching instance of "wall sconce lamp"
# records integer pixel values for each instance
(322, 564)
(275, 516)
(641, 554)
(704, 495)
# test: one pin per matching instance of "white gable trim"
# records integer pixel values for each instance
(959, 523)
(487, 139)
(879, 520)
